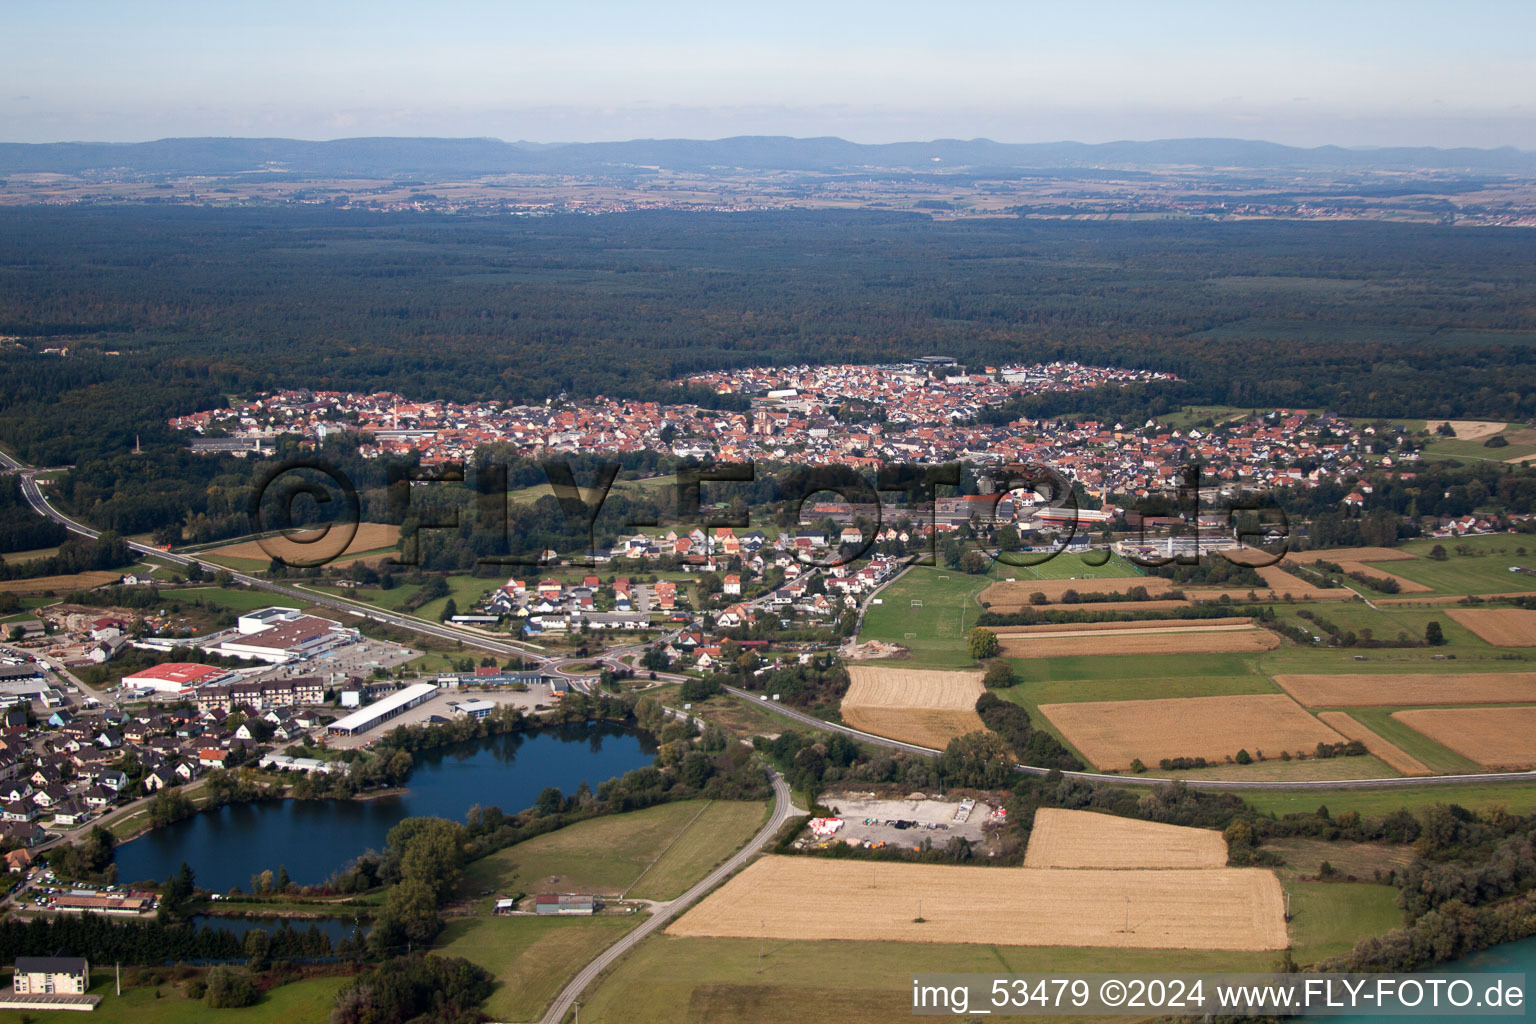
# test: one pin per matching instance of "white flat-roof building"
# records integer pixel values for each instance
(383, 710)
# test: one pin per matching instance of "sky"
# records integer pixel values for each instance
(1301, 72)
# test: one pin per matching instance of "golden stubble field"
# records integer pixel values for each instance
(1200, 639)
(813, 898)
(1398, 758)
(1493, 737)
(1112, 734)
(1085, 839)
(1361, 690)
(307, 546)
(922, 706)
(54, 584)
(1501, 627)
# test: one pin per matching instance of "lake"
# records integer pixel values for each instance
(313, 838)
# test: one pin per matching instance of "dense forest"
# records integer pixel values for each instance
(1367, 319)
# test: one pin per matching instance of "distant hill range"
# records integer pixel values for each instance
(456, 158)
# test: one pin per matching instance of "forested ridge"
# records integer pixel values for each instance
(1366, 319)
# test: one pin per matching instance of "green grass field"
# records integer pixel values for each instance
(1192, 414)
(702, 981)
(1516, 797)
(464, 589)
(236, 599)
(1272, 769)
(530, 957)
(1068, 566)
(939, 623)
(657, 852)
(1328, 918)
(301, 1002)
(1485, 571)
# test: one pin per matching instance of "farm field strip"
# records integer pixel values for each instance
(1184, 641)
(1391, 753)
(926, 727)
(1148, 624)
(1396, 689)
(1492, 737)
(1114, 733)
(1145, 629)
(1085, 839)
(806, 898)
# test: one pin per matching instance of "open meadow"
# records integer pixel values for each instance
(655, 853)
(1177, 908)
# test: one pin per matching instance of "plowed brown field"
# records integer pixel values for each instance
(1114, 733)
(812, 898)
(369, 537)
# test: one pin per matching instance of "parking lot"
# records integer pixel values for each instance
(871, 820)
(440, 707)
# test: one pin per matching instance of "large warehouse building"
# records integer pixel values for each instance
(383, 710)
(176, 676)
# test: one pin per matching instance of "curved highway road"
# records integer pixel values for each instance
(664, 913)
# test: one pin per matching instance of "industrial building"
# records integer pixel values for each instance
(383, 710)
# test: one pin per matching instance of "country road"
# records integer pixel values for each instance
(782, 809)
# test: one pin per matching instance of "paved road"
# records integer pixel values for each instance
(781, 813)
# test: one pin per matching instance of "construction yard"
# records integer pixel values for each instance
(874, 822)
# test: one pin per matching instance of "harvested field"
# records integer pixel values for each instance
(1493, 737)
(1282, 582)
(1357, 559)
(1391, 753)
(1112, 734)
(1501, 627)
(924, 726)
(1405, 688)
(805, 898)
(1006, 597)
(1342, 555)
(1084, 839)
(1098, 627)
(370, 537)
(61, 584)
(919, 706)
(1472, 430)
(878, 686)
(1189, 640)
